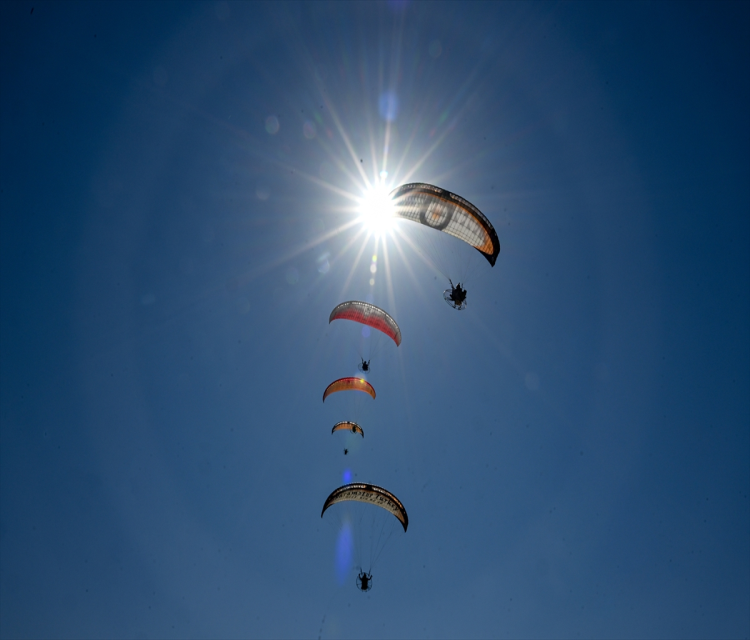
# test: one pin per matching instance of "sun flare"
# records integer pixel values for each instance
(376, 209)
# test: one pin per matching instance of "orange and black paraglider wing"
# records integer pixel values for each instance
(445, 211)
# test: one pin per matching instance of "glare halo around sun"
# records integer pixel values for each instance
(376, 209)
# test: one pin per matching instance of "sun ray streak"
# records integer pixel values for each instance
(395, 73)
(417, 286)
(429, 152)
(373, 154)
(389, 281)
(407, 147)
(347, 246)
(354, 266)
(342, 132)
(308, 62)
(327, 185)
(264, 268)
(420, 253)
(341, 166)
(461, 91)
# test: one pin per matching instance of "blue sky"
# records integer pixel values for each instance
(177, 220)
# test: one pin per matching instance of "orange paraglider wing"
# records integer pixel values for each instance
(347, 425)
(349, 384)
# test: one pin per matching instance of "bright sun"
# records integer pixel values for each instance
(376, 209)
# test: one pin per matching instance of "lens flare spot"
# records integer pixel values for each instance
(388, 106)
(347, 476)
(344, 548)
(292, 276)
(309, 130)
(323, 264)
(365, 332)
(272, 125)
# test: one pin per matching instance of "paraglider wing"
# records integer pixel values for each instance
(349, 384)
(445, 211)
(372, 494)
(369, 314)
(346, 425)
